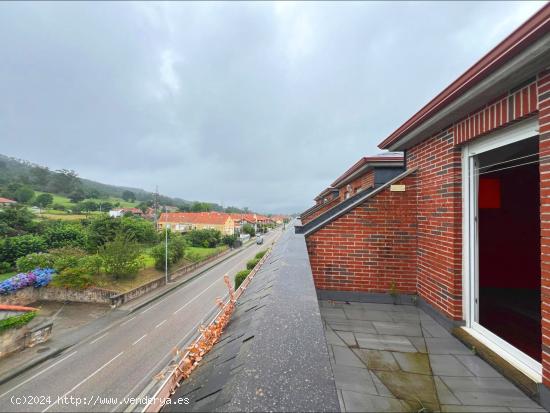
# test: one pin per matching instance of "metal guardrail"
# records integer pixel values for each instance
(174, 371)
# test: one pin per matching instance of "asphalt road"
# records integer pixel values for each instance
(107, 367)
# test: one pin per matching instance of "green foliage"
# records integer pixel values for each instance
(16, 221)
(87, 206)
(59, 207)
(35, 260)
(207, 238)
(196, 254)
(24, 194)
(229, 240)
(15, 247)
(64, 181)
(128, 196)
(67, 257)
(260, 254)
(17, 320)
(77, 195)
(5, 267)
(103, 229)
(60, 234)
(240, 277)
(252, 263)
(249, 229)
(201, 207)
(121, 256)
(78, 278)
(176, 251)
(43, 200)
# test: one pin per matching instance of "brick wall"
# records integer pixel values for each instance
(439, 222)
(318, 211)
(363, 181)
(543, 86)
(370, 247)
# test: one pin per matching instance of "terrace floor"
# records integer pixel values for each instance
(391, 358)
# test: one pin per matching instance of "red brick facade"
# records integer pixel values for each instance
(371, 247)
(318, 210)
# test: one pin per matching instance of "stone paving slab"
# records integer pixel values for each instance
(392, 358)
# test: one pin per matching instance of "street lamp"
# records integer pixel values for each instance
(166, 227)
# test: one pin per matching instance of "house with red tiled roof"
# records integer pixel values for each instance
(464, 231)
(188, 221)
(119, 212)
(7, 202)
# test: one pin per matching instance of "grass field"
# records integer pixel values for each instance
(195, 254)
(6, 276)
(59, 199)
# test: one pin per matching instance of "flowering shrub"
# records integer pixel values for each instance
(37, 278)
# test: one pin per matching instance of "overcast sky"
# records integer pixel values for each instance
(246, 104)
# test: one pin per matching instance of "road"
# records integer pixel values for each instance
(109, 366)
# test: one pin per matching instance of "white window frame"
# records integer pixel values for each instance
(523, 130)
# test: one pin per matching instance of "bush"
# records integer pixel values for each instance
(16, 321)
(229, 240)
(59, 207)
(5, 267)
(40, 277)
(35, 260)
(252, 263)
(66, 257)
(77, 278)
(249, 229)
(240, 277)
(260, 254)
(176, 251)
(121, 256)
(65, 234)
(206, 238)
(141, 230)
(15, 247)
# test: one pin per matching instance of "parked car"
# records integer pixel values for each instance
(259, 240)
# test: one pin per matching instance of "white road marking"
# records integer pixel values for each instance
(83, 381)
(139, 339)
(38, 374)
(127, 321)
(154, 305)
(99, 338)
(197, 296)
(161, 323)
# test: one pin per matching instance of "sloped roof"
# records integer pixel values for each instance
(368, 162)
(212, 218)
(7, 201)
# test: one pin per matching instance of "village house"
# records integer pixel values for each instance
(7, 202)
(188, 221)
(465, 228)
(119, 212)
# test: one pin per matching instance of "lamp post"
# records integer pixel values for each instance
(166, 227)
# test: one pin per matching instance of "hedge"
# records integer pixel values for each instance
(16, 321)
(240, 277)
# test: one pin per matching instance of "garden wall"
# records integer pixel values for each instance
(30, 294)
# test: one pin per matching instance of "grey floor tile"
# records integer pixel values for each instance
(384, 342)
(360, 402)
(347, 337)
(333, 338)
(410, 386)
(345, 357)
(341, 400)
(435, 329)
(356, 326)
(419, 344)
(443, 392)
(381, 387)
(477, 391)
(446, 345)
(333, 313)
(471, 409)
(400, 317)
(527, 410)
(354, 379)
(448, 365)
(398, 329)
(413, 362)
(478, 367)
(366, 315)
(377, 359)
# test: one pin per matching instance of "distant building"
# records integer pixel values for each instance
(7, 202)
(188, 221)
(119, 212)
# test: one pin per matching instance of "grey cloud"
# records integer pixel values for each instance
(250, 104)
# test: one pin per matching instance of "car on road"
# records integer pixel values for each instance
(259, 240)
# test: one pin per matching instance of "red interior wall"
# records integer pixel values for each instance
(509, 236)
